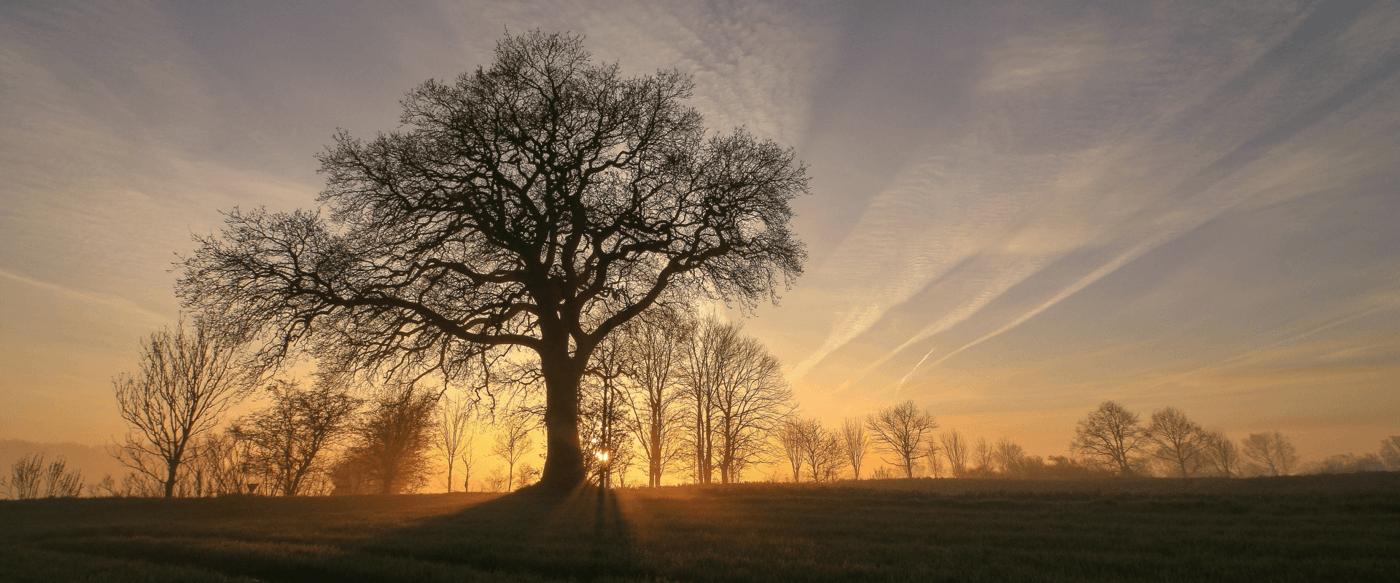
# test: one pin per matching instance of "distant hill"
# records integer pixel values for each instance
(92, 460)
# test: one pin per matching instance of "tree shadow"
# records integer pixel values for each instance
(578, 535)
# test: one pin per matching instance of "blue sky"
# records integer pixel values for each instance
(1018, 209)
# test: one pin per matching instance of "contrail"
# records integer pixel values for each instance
(1084, 282)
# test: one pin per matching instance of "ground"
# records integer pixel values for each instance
(1311, 528)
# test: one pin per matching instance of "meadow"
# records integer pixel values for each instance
(1300, 528)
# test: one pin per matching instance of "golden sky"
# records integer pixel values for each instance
(1018, 209)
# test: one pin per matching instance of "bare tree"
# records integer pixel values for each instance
(605, 412)
(900, 430)
(223, 462)
(1009, 457)
(535, 205)
(467, 455)
(188, 377)
(454, 430)
(1272, 452)
(751, 397)
(657, 341)
(497, 482)
(821, 449)
(27, 477)
(790, 440)
(1110, 435)
(955, 449)
(827, 457)
(703, 358)
(513, 441)
(1390, 453)
(934, 458)
(60, 482)
(734, 396)
(1220, 452)
(287, 439)
(390, 454)
(525, 475)
(30, 479)
(1177, 441)
(984, 456)
(856, 442)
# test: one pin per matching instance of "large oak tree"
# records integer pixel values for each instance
(534, 205)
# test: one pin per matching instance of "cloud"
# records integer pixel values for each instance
(1165, 164)
(114, 302)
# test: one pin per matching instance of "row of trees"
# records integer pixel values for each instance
(1115, 438)
(676, 393)
(694, 398)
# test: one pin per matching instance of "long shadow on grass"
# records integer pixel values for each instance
(579, 535)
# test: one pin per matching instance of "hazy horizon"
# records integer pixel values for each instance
(1018, 210)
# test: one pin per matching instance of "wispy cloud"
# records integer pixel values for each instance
(113, 302)
(1133, 182)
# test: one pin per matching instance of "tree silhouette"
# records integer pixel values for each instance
(390, 454)
(1221, 453)
(512, 443)
(856, 442)
(735, 397)
(1273, 453)
(1111, 435)
(1179, 442)
(656, 342)
(900, 430)
(454, 432)
(955, 449)
(188, 378)
(288, 438)
(535, 205)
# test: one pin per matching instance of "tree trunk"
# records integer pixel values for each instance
(171, 470)
(563, 464)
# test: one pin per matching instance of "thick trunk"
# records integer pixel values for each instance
(563, 465)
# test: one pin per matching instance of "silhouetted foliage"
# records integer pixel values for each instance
(223, 466)
(538, 204)
(188, 378)
(901, 430)
(389, 454)
(1111, 435)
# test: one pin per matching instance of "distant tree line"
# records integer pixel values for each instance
(670, 395)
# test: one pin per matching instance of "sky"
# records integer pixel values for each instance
(1017, 210)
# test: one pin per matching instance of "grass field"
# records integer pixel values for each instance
(1315, 528)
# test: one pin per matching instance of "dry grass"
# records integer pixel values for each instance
(1280, 529)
